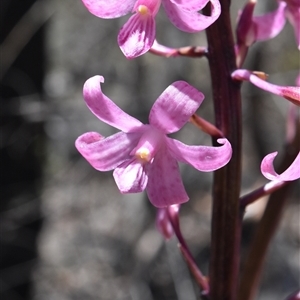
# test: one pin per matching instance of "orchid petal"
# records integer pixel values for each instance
(104, 109)
(245, 30)
(165, 186)
(269, 25)
(131, 176)
(137, 35)
(190, 5)
(291, 173)
(105, 154)
(191, 21)
(175, 106)
(293, 15)
(109, 9)
(202, 158)
(291, 93)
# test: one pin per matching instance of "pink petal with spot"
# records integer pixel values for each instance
(175, 106)
(131, 176)
(105, 154)
(191, 21)
(137, 35)
(269, 25)
(202, 158)
(104, 109)
(291, 173)
(165, 186)
(109, 9)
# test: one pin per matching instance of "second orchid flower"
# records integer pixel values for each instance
(142, 156)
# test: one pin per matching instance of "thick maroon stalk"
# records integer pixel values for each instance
(226, 219)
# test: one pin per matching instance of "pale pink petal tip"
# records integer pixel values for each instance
(290, 174)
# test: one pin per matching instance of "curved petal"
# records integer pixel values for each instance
(105, 154)
(109, 9)
(191, 21)
(137, 35)
(190, 5)
(104, 109)
(269, 25)
(165, 186)
(291, 173)
(202, 158)
(131, 176)
(175, 106)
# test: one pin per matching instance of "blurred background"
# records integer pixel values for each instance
(66, 231)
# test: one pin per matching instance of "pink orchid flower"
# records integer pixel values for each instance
(290, 174)
(270, 25)
(142, 156)
(138, 34)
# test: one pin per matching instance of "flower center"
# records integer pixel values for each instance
(143, 10)
(148, 145)
(145, 7)
(143, 154)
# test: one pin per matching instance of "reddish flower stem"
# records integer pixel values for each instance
(265, 190)
(226, 217)
(199, 277)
